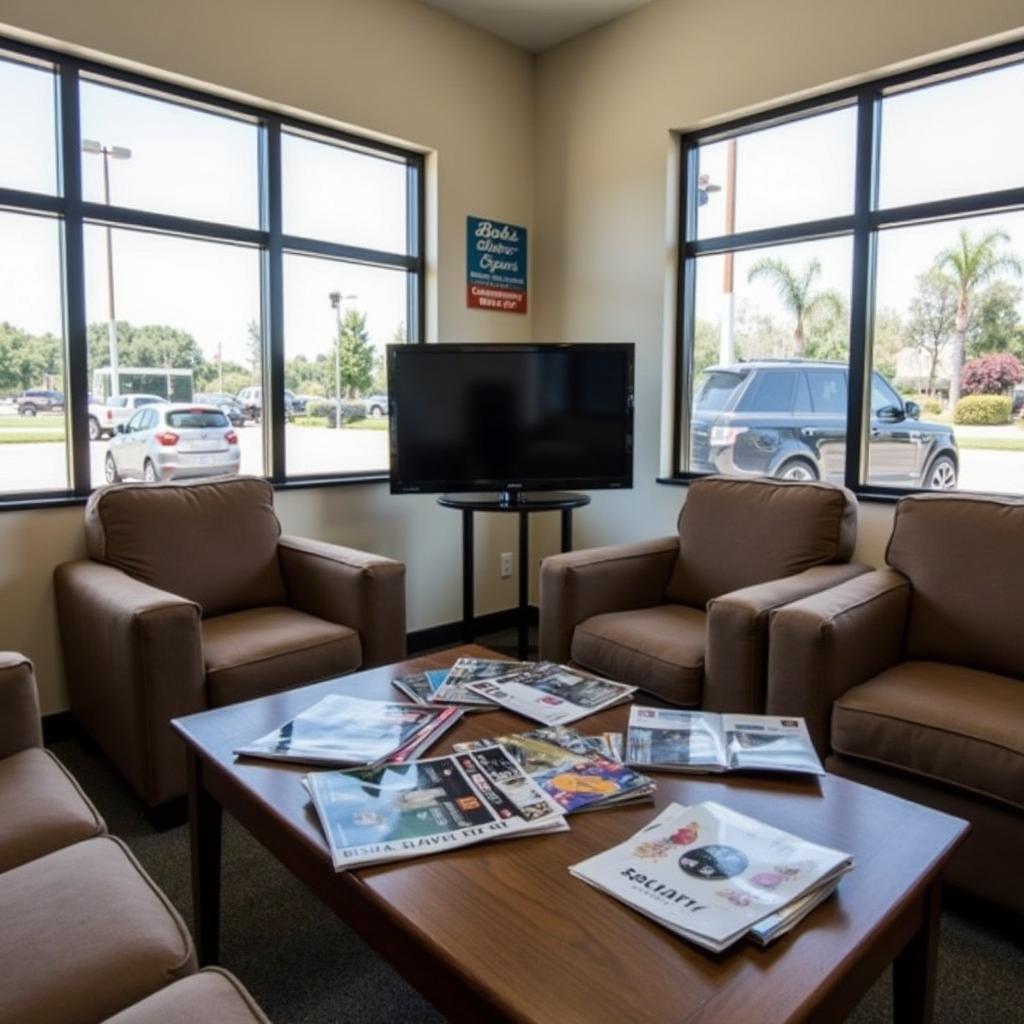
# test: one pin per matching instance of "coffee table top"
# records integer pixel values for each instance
(507, 918)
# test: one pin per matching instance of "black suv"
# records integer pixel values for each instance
(787, 418)
(40, 400)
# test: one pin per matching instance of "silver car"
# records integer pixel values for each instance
(167, 442)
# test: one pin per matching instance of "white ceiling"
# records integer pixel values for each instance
(536, 24)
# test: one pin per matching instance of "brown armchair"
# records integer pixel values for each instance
(191, 599)
(686, 617)
(912, 677)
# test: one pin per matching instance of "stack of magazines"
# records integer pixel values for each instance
(580, 773)
(451, 686)
(713, 876)
(340, 730)
(371, 816)
(701, 741)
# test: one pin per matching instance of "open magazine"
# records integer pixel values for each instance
(580, 773)
(407, 810)
(340, 730)
(421, 686)
(701, 741)
(552, 694)
(712, 875)
(455, 689)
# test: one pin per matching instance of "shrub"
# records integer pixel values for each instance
(929, 404)
(991, 375)
(982, 410)
(350, 412)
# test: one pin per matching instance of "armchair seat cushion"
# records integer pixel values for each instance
(944, 722)
(259, 651)
(659, 649)
(85, 934)
(212, 995)
(42, 808)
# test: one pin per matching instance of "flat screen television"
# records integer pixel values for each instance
(510, 418)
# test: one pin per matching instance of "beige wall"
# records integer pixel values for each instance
(399, 69)
(606, 104)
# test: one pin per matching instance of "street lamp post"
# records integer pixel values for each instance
(109, 153)
(336, 300)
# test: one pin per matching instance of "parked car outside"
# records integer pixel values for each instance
(251, 401)
(298, 403)
(105, 417)
(37, 400)
(787, 418)
(225, 402)
(172, 441)
(1018, 400)
(376, 405)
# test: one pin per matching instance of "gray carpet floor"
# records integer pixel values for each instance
(305, 967)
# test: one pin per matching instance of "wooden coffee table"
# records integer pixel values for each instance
(502, 932)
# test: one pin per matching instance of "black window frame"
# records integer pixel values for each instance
(863, 225)
(72, 212)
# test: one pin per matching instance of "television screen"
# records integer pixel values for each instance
(510, 417)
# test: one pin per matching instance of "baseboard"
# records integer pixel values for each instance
(449, 633)
(61, 725)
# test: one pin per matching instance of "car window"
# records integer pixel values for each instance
(772, 391)
(117, 401)
(147, 400)
(883, 396)
(135, 423)
(717, 388)
(828, 391)
(803, 395)
(196, 419)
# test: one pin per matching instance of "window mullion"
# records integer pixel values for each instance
(273, 299)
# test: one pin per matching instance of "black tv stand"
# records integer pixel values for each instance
(524, 504)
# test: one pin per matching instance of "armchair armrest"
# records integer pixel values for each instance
(19, 705)
(824, 645)
(736, 658)
(134, 660)
(580, 584)
(351, 588)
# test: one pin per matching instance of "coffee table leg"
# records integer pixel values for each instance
(913, 971)
(204, 815)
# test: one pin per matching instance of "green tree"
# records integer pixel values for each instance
(886, 341)
(996, 324)
(355, 353)
(932, 319)
(795, 290)
(254, 350)
(972, 263)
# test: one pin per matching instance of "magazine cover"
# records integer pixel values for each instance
(553, 694)
(772, 744)
(421, 686)
(709, 874)
(342, 730)
(454, 689)
(408, 810)
(574, 770)
(670, 738)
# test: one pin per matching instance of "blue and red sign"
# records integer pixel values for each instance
(496, 265)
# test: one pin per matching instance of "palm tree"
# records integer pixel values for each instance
(971, 264)
(795, 291)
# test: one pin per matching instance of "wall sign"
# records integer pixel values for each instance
(496, 265)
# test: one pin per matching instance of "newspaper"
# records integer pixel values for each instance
(553, 694)
(701, 741)
(710, 874)
(371, 816)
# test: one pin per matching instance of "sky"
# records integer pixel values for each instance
(194, 164)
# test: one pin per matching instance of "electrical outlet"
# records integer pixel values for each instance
(506, 564)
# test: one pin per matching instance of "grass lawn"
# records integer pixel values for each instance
(322, 421)
(995, 444)
(31, 429)
(368, 424)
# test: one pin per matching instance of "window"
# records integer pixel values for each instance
(160, 245)
(852, 286)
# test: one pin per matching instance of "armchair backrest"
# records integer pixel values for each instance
(736, 533)
(964, 557)
(210, 541)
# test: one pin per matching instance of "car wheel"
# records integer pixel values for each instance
(28, 410)
(110, 472)
(149, 472)
(376, 411)
(94, 429)
(797, 469)
(941, 475)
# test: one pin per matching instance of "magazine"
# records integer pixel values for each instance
(420, 687)
(574, 770)
(552, 694)
(710, 874)
(776, 925)
(455, 688)
(340, 730)
(408, 810)
(701, 741)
